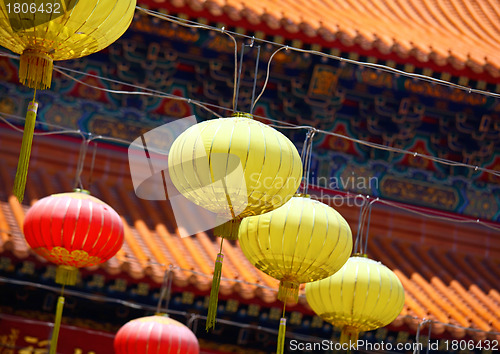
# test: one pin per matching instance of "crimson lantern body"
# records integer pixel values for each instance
(73, 230)
(155, 334)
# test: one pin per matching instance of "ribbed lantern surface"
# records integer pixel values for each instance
(362, 296)
(73, 230)
(302, 241)
(43, 31)
(154, 335)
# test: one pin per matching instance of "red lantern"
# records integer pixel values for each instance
(73, 230)
(155, 334)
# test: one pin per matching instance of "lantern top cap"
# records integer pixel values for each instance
(81, 190)
(242, 115)
(302, 195)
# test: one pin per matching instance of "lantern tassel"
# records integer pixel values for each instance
(66, 275)
(288, 289)
(228, 230)
(281, 336)
(35, 69)
(57, 325)
(214, 292)
(24, 155)
(349, 335)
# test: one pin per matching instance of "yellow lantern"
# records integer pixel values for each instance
(302, 241)
(362, 296)
(234, 167)
(43, 31)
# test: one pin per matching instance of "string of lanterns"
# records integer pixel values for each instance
(219, 165)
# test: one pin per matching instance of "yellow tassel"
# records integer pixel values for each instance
(281, 336)
(66, 275)
(24, 155)
(57, 325)
(35, 69)
(228, 230)
(288, 290)
(349, 335)
(214, 293)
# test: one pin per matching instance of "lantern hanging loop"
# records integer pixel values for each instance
(186, 23)
(360, 221)
(417, 335)
(92, 163)
(267, 75)
(306, 158)
(238, 82)
(364, 250)
(82, 154)
(166, 290)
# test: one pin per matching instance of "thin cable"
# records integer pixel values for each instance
(267, 75)
(256, 71)
(92, 164)
(358, 232)
(173, 97)
(80, 164)
(309, 158)
(368, 224)
(199, 25)
(136, 305)
(443, 218)
(284, 124)
(340, 59)
(39, 134)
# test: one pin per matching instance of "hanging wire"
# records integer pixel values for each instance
(80, 164)
(166, 290)
(364, 251)
(282, 125)
(304, 159)
(199, 25)
(360, 221)
(380, 67)
(267, 76)
(92, 163)
(412, 209)
(139, 306)
(307, 164)
(417, 336)
(257, 59)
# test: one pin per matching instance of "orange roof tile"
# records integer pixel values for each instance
(448, 276)
(463, 34)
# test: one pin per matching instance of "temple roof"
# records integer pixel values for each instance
(463, 34)
(448, 276)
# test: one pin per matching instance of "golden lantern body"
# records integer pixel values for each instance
(234, 167)
(362, 296)
(302, 241)
(43, 31)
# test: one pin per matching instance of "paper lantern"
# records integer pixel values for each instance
(72, 230)
(155, 334)
(302, 241)
(43, 31)
(234, 167)
(362, 296)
